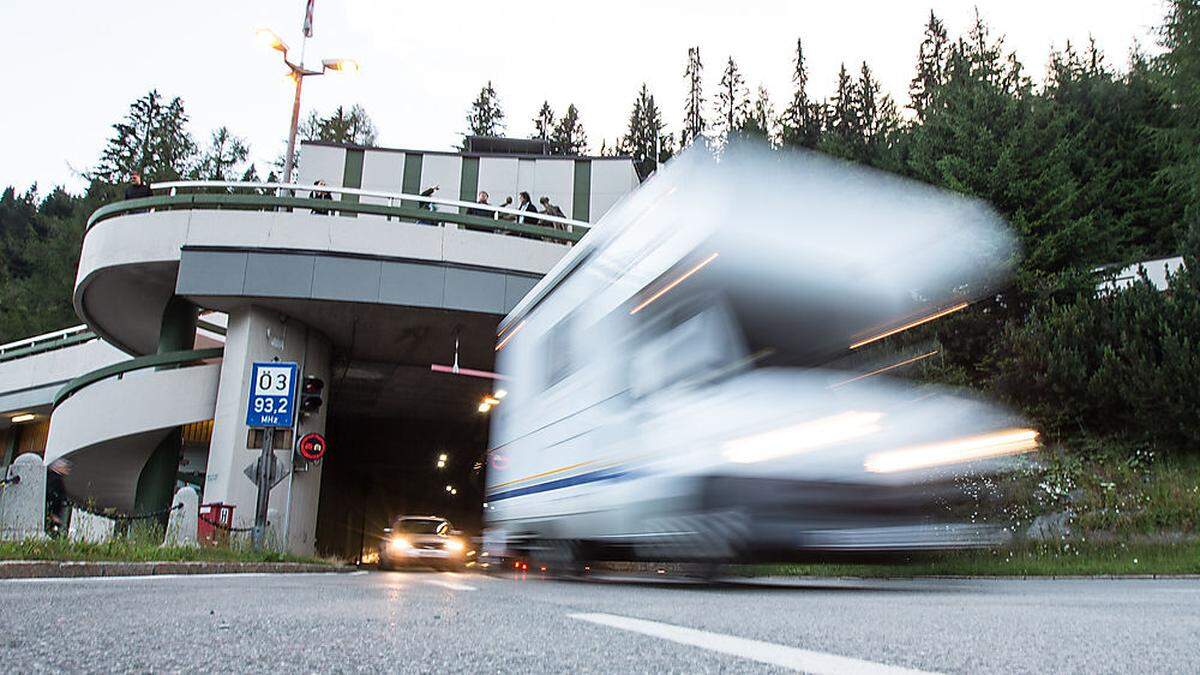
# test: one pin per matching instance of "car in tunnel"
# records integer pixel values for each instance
(422, 541)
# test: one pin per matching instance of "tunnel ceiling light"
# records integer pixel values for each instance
(911, 324)
(23, 417)
(442, 457)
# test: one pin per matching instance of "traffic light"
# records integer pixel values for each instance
(310, 394)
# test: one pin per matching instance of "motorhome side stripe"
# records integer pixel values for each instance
(578, 479)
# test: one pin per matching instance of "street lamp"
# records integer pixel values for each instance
(298, 72)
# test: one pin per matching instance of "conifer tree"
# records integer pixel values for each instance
(1179, 69)
(543, 122)
(877, 117)
(351, 126)
(931, 66)
(486, 117)
(569, 137)
(732, 103)
(223, 158)
(842, 123)
(800, 123)
(152, 139)
(760, 120)
(693, 106)
(645, 135)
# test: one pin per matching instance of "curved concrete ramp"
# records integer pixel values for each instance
(130, 264)
(108, 429)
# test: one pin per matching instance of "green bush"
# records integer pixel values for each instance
(1124, 364)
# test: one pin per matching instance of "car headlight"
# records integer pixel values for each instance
(455, 546)
(398, 544)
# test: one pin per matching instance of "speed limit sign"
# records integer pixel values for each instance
(272, 399)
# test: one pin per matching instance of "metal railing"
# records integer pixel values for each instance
(180, 358)
(46, 342)
(399, 205)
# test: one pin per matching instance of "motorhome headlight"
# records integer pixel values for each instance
(399, 544)
(804, 437)
(956, 451)
(455, 546)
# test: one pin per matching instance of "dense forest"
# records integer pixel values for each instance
(1094, 165)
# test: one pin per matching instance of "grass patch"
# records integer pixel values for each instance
(142, 545)
(1031, 559)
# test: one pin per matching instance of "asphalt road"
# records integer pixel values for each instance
(436, 623)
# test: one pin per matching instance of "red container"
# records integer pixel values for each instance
(220, 514)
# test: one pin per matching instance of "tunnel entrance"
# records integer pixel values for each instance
(380, 468)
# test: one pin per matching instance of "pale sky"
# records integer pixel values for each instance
(72, 67)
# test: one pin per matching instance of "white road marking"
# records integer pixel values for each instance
(452, 585)
(755, 650)
(143, 577)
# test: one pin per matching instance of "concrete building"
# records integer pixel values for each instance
(376, 292)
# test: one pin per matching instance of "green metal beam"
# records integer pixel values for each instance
(352, 176)
(468, 186)
(581, 196)
(139, 363)
(410, 183)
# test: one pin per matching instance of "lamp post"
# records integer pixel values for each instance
(298, 72)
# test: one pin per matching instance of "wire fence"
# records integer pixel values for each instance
(113, 514)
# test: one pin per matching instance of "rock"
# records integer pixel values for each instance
(1050, 526)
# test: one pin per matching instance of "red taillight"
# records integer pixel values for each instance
(517, 565)
(524, 566)
(543, 568)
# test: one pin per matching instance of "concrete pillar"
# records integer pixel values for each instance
(181, 528)
(156, 482)
(177, 331)
(23, 503)
(256, 334)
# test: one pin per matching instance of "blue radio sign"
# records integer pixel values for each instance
(272, 395)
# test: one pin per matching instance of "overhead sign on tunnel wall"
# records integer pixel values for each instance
(272, 401)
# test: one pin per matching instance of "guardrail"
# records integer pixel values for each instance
(180, 358)
(238, 195)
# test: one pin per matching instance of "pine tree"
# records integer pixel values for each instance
(733, 101)
(842, 123)
(543, 123)
(1179, 69)
(569, 137)
(877, 117)
(152, 139)
(223, 158)
(693, 106)
(800, 123)
(486, 117)
(643, 140)
(351, 127)
(931, 66)
(760, 120)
